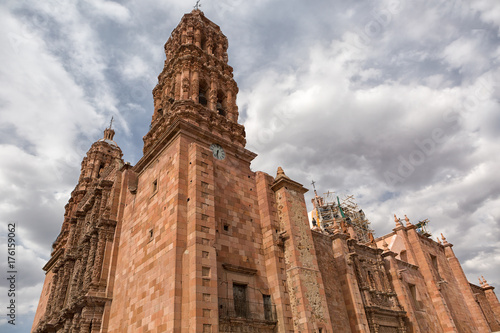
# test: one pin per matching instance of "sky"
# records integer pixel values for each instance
(394, 102)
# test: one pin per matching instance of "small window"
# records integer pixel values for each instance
(413, 294)
(155, 186)
(151, 235)
(226, 227)
(435, 265)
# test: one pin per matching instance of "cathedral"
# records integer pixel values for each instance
(191, 240)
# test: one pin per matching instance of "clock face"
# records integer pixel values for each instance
(218, 151)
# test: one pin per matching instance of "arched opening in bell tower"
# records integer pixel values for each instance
(221, 103)
(203, 93)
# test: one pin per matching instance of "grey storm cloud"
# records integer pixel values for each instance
(391, 101)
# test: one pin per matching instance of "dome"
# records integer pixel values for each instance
(110, 142)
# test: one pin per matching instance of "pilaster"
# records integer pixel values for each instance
(273, 252)
(464, 286)
(200, 251)
(304, 281)
(350, 288)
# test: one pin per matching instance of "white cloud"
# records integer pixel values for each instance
(111, 10)
(134, 68)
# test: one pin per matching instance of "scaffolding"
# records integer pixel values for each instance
(331, 207)
(421, 228)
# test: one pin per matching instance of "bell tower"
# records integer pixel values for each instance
(196, 83)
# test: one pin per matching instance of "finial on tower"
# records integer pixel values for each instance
(444, 239)
(480, 282)
(408, 224)
(398, 223)
(109, 133)
(280, 173)
(485, 283)
(197, 6)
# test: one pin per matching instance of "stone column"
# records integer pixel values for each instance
(81, 274)
(178, 85)
(229, 106)
(62, 285)
(90, 262)
(98, 257)
(195, 84)
(197, 37)
(53, 291)
(212, 95)
(185, 83)
(72, 232)
(73, 285)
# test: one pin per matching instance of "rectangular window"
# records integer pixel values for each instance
(240, 300)
(155, 186)
(435, 266)
(413, 294)
(268, 312)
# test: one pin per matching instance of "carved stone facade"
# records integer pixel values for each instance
(76, 285)
(190, 239)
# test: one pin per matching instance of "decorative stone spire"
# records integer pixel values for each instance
(438, 240)
(281, 174)
(480, 282)
(398, 221)
(444, 239)
(485, 283)
(408, 224)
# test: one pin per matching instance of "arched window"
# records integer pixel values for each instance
(221, 103)
(203, 93)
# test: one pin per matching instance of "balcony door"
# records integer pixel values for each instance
(240, 300)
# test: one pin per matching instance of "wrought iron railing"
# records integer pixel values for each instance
(247, 310)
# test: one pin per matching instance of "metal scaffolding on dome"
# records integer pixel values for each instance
(330, 207)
